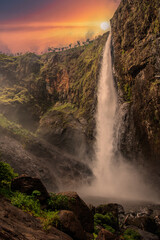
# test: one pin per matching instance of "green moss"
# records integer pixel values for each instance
(66, 108)
(15, 129)
(127, 90)
(131, 234)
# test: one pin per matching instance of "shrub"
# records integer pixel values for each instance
(58, 202)
(6, 176)
(50, 218)
(6, 173)
(107, 221)
(26, 203)
(130, 234)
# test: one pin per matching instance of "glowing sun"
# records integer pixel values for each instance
(104, 25)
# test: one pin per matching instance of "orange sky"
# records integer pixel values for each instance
(51, 23)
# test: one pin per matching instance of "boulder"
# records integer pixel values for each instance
(71, 225)
(106, 235)
(147, 235)
(81, 210)
(144, 234)
(145, 223)
(114, 208)
(27, 185)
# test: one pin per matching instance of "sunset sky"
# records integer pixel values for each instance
(35, 25)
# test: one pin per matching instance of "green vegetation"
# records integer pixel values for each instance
(17, 94)
(6, 176)
(106, 221)
(15, 129)
(59, 202)
(65, 108)
(28, 203)
(127, 90)
(131, 234)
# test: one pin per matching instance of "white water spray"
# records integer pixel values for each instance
(114, 177)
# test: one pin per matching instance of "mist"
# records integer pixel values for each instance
(115, 177)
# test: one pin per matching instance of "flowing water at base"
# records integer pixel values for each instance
(114, 177)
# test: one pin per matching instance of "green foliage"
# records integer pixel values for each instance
(26, 202)
(16, 94)
(29, 203)
(66, 107)
(107, 221)
(6, 173)
(95, 236)
(131, 234)
(58, 202)
(15, 129)
(50, 218)
(127, 90)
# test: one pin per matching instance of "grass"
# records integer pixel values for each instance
(15, 129)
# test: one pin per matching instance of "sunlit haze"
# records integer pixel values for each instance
(27, 26)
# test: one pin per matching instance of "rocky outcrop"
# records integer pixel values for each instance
(28, 185)
(71, 225)
(81, 210)
(16, 224)
(106, 235)
(136, 58)
(32, 156)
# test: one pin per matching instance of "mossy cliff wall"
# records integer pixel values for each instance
(54, 94)
(136, 59)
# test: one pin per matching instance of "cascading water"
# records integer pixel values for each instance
(113, 177)
(106, 108)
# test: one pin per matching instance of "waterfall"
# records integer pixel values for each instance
(106, 108)
(114, 177)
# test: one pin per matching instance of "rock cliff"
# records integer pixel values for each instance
(136, 59)
(53, 99)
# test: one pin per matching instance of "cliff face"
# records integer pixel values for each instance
(136, 59)
(54, 94)
(53, 99)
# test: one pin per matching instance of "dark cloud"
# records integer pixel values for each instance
(10, 9)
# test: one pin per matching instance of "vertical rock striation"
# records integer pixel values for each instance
(136, 59)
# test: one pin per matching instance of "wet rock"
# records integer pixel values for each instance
(105, 235)
(71, 225)
(27, 185)
(81, 210)
(143, 222)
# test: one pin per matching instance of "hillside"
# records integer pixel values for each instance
(52, 98)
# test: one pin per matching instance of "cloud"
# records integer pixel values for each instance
(10, 9)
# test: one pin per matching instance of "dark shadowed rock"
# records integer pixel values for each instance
(136, 58)
(81, 210)
(105, 235)
(71, 225)
(144, 234)
(26, 184)
(16, 224)
(145, 223)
